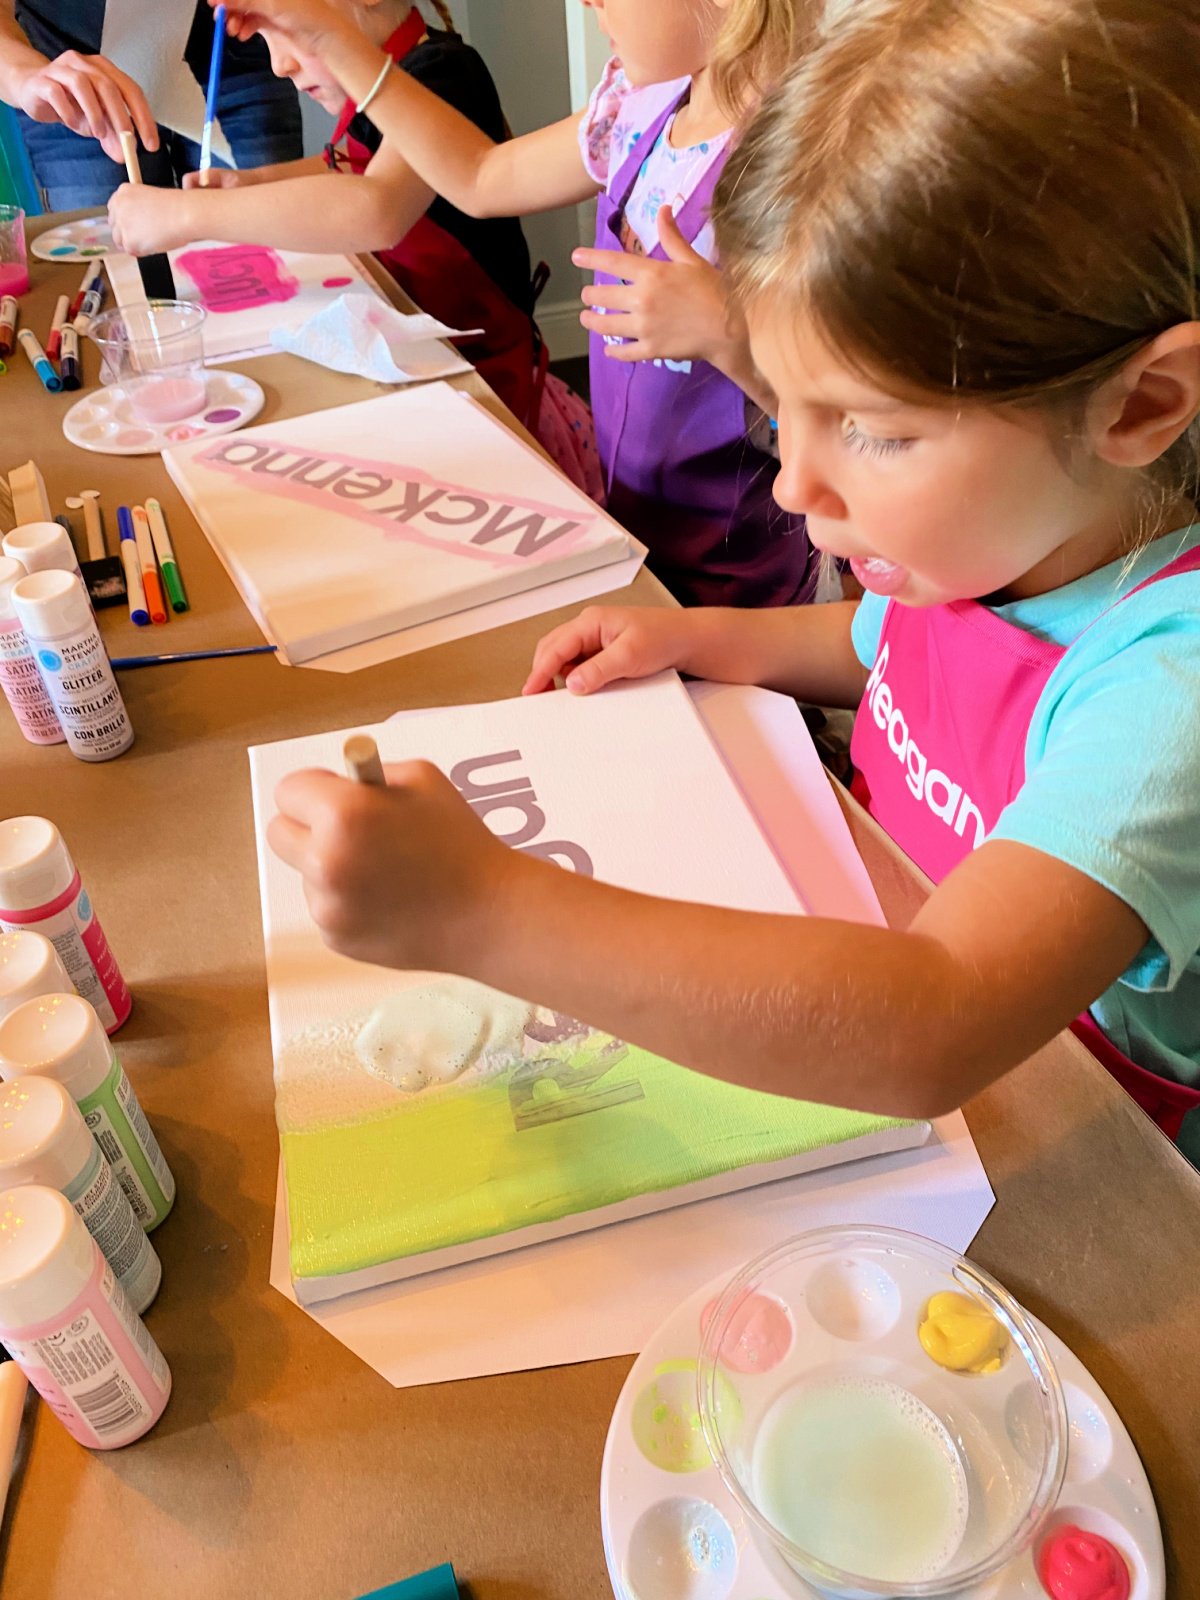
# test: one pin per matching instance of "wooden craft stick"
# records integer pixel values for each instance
(129, 151)
(361, 755)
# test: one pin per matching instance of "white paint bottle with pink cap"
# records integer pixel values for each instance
(69, 1326)
(40, 889)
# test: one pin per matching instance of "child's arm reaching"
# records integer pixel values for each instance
(1005, 953)
(309, 212)
(245, 177)
(537, 172)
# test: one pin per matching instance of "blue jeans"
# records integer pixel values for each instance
(259, 113)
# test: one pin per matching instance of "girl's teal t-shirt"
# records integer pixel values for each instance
(1112, 780)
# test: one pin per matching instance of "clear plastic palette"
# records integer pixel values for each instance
(105, 421)
(86, 239)
(673, 1528)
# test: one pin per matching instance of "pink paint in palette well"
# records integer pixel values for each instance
(14, 278)
(168, 399)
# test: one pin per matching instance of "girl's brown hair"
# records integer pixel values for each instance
(443, 15)
(757, 43)
(980, 198)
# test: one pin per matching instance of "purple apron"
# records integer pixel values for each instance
(681, 471)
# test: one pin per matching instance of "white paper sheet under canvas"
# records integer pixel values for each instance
(248, 290)
(364, 520)
(601, 1293)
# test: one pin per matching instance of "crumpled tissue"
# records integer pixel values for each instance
(361, 335)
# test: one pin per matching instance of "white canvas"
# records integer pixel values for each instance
(603, 1292)
(629, 787)
(248, 291)
(357, 522)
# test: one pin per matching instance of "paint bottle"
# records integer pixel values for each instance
(40, 889)
(29, 967)
(59, 1037)
(69, 1326)
(44, 1139)
(57, 616)
(19, 676)
(42, 547)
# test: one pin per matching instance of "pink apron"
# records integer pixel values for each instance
(939, 751)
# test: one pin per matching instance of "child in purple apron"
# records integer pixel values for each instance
(989, 407)
(688, 460)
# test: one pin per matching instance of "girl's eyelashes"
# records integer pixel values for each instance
(868, 444)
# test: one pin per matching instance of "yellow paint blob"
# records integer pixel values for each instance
(961, 1335)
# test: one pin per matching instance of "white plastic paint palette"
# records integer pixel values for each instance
(674, 1531)
(104, 420)
(88, 239)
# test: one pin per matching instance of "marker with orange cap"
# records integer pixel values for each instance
(155, 603)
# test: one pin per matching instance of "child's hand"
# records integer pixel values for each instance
(145, 221)
(219, 178)
(406, 876)
(673, 310)
(305, 22)
(605, 643)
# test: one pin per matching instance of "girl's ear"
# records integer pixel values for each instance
(1137, 415)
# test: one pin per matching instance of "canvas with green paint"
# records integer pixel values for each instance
(425, 1120)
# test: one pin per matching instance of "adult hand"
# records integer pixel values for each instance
(604, 643)
(146, 221)
(404, 876)
(673, 310)
(92, 98)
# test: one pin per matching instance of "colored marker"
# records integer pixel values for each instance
(171, 575)
(214, 88)
(126, 663)
(88, 310)
(10, 313)
(138, 614)
(56, 327)
(155, 603)
(68, 358)
(89, 275)
(28, 340)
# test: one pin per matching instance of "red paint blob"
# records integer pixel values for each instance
(336, 283)
(1076, 1565)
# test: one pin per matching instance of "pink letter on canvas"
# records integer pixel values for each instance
(238, 277)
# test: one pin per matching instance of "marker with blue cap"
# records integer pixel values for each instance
(39, 361)
(139, 613)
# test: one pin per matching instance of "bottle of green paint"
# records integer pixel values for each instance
(59, 1036)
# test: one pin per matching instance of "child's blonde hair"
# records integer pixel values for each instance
(757, 43)
(443, 14)
(981, 198)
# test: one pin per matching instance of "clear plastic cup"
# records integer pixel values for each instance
(881, 1440)
(14, 263)
(155, 352)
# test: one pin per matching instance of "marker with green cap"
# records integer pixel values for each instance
(172, 579)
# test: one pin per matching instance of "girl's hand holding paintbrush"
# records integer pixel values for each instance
(146, 221)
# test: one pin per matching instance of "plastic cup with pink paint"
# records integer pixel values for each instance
(14, 264)
(155, 352)
(885, 1414)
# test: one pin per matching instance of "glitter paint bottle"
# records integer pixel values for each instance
(40, 889)
(59, 1037)
(69, 1326)
(44, 1140)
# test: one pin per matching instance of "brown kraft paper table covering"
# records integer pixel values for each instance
(284, 1467)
